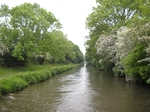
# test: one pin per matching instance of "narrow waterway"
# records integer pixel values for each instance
(82, 89)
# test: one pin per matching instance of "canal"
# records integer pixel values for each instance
(83, 89)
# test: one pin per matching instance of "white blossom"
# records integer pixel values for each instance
(123, 43)
(105, 45)
(117, 47)
(3, 49)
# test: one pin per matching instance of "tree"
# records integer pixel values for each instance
(105, 50)
(117, 12)
(56, 45)
(23, 29)
(3, 51)
(109, 15)
(91, 51)
(61, 49)
(78, 54)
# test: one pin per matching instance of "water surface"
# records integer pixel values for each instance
(82, 89)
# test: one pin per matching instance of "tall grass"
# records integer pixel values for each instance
(23, 77)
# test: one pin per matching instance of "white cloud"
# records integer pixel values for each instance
(71, 13)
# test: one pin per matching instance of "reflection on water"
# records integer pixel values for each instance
(83, 89)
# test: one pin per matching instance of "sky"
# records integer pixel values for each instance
(71, 14)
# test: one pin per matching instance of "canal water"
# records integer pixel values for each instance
(83, 89)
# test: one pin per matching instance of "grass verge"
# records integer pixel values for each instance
(23, 77)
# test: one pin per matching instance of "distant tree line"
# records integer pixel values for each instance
(30, 34)
(119, 38)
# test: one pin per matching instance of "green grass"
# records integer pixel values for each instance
(6, 72)
(15, 79)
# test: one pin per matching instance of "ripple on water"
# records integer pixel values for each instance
(83, 90)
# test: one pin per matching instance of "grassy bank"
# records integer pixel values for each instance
(15, 79)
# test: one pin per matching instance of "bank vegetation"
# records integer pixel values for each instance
(15, 79)
(119, 38)
(31, 45)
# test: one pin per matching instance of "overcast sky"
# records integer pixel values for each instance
(71, 13)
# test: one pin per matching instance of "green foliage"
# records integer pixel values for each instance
(57, 43)
(145, 72)
(30, 35)
(11, 84)
(112, 13)
(61, 49)
(78, 55)
(18, 51)
(132, 66)
(90, 55)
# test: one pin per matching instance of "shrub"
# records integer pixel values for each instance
(28, 78)
(11, 84)
(132, 67)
